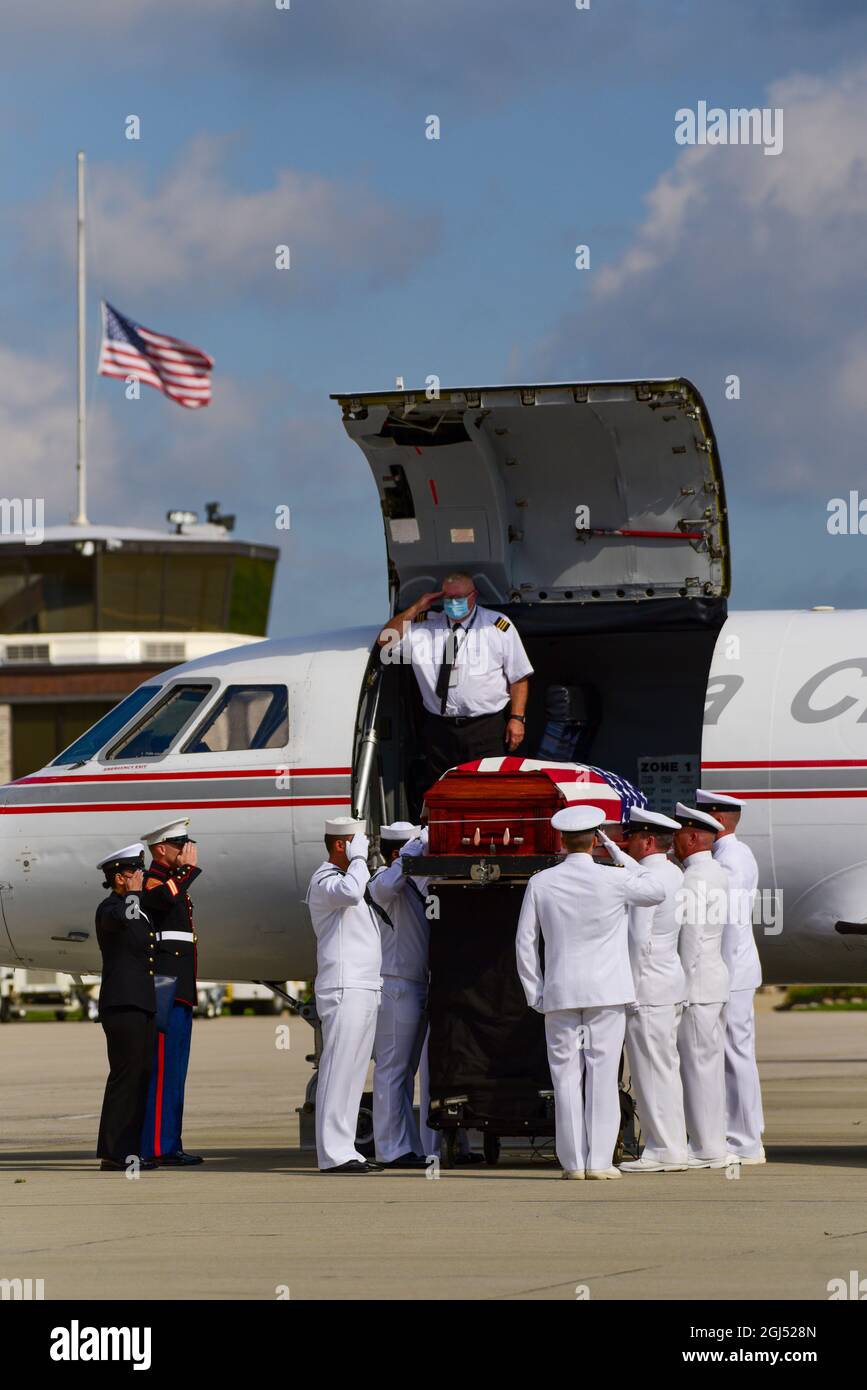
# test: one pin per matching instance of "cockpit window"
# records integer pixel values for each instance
(158, 730)
(87, 747)
(247, 717)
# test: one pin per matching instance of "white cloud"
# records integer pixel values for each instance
(196, 233)
(752, 265)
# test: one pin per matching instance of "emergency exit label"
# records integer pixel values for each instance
(666, 779)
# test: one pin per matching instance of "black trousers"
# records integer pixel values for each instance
(448, 743)
(129, 1035)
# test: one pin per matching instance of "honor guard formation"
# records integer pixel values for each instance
(638, 938)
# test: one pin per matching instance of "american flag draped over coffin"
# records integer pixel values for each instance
(504, 805)
(577, 781)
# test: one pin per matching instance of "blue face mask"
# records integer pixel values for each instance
(456, 607)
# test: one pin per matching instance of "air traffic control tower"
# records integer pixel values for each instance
(91, 611)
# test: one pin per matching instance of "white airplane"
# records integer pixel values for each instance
(595, 516)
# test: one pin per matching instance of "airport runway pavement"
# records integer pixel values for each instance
(257, 1219)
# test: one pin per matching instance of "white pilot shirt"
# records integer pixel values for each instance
(490, 658)
(348, 949)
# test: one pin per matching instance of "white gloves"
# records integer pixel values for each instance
(614, 851)
(358, 847)
(416, 846)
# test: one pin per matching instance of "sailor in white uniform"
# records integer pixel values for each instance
(347, 990)
(702, 910)
(744, 1117)
(578, 908)
(660, 990)
(402, 1020)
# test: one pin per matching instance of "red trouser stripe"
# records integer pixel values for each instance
(158, 1108)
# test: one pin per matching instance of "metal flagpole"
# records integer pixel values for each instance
(80, 465)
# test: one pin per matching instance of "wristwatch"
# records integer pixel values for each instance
(522, 717)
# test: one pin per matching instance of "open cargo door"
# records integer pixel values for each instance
(557, 495)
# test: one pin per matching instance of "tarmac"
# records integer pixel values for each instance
(256, 1221)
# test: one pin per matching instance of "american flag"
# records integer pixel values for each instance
(577, 782)
(178, 370)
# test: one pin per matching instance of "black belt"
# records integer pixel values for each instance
(458, 721)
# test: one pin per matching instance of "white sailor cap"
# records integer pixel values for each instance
(717, 801)
(577, 818)
(641, 819)
(345, 826)
(131, 856)
(401, 830)
(172, 830)
(693, 819)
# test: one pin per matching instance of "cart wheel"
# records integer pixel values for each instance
(491, 1149)
(448, 1148)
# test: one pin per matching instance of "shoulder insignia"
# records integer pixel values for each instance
(421, 617)
(503, 624)
(172, 887)
(153, 882)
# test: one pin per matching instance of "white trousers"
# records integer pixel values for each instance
(348, 1027)
(744, 1118)
(584, 1047)
(400, 1031)
(701, 1043)
(654, 1066)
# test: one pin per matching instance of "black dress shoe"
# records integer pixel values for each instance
(468, 1160)
(354, 1168)
(178, 1160)
(108, 1165)
(407, 1160)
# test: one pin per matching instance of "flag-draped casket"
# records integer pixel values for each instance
(487, 1054)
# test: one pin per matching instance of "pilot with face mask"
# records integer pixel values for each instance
(472, 671)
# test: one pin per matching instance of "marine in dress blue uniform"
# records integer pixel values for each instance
(166, 899)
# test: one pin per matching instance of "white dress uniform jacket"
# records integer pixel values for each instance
(579, 909)
(490, 657)
(703, 911)
(657, 972)
(739, 949)
(348, 944)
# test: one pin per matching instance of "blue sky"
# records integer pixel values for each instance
(453, 257)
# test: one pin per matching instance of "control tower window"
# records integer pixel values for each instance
(247, 717)
(87, 747)
(158, 730)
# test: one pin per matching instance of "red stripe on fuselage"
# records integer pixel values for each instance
(791, 762)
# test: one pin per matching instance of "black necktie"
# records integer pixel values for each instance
(414, 888)
(378, 911)
(449, 654)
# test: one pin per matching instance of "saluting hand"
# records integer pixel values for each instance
(422, 604)
(136, 881)
(188, 856)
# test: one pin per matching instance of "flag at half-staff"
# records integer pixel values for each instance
(178, 370)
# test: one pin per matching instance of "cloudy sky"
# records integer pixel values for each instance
(306, 126)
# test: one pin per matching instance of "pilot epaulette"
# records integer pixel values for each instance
(503, 624)
(421, 617)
